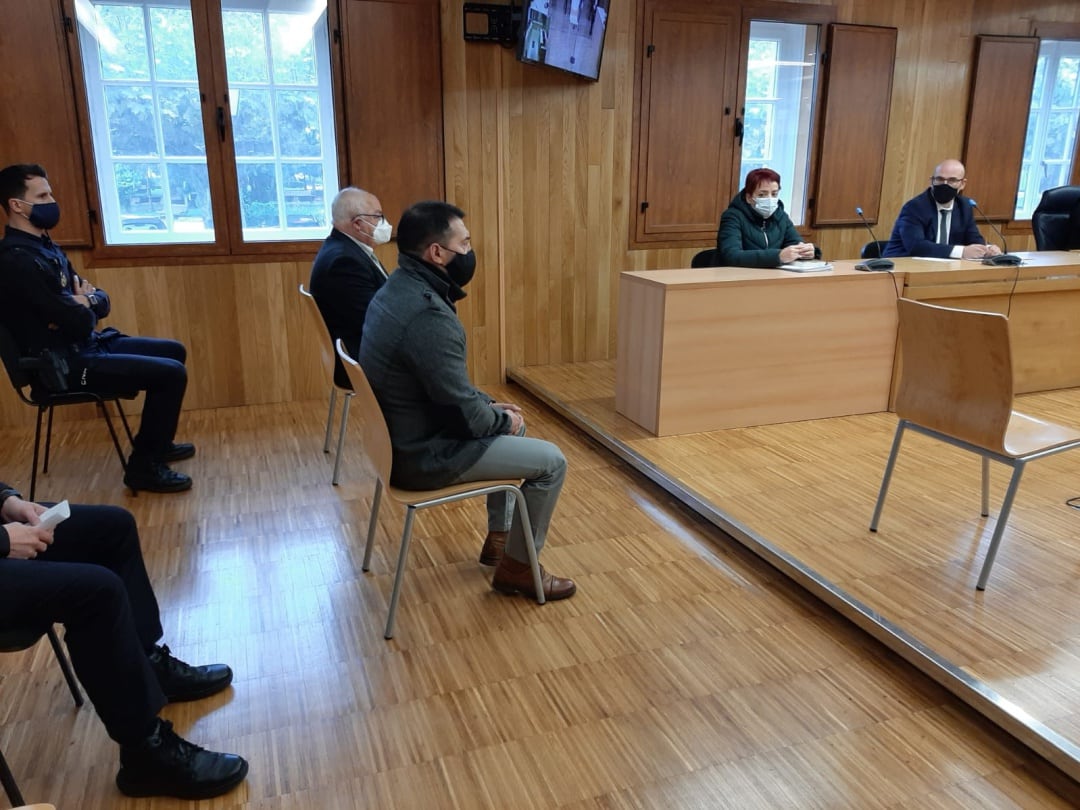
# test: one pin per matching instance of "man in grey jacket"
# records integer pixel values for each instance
(443, 429)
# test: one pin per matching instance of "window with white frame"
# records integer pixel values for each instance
(1050, 145)
(781, 72)
(142, 63)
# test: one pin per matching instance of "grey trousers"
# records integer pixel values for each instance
(543, 467)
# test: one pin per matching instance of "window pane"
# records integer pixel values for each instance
(121, 31)
(780, 77)
(144, 108)
(298, 123)
(130, 111)
(174, 44)
(245, 46)
(258, 195)
(253, 132)
(1050, 143)
(181, 122)
(282, 112)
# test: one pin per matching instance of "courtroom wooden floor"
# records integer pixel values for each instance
(686, 673)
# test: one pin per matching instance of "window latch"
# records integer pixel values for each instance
(739, 129)
(221, 122)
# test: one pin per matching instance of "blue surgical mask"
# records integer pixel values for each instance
(766, 206)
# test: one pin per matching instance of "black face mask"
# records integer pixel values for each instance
(44, 215)
(462, 268)
(944, 193)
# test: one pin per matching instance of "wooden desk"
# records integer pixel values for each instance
(1044, 314)
(716, 348)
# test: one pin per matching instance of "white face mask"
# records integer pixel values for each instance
(381, 234)
(766, 206)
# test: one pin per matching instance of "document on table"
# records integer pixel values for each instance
(806, 266)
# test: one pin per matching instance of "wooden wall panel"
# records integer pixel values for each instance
(541, 161)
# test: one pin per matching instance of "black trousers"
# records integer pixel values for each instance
(92, 579)
(154, 365)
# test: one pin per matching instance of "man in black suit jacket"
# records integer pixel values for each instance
(346, 273)
(939, 222)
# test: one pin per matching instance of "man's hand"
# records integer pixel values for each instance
(517, 421)
(27, 541)
(974, 251)
(16, 510)
(993, 250)
(789, 254)
(82, 286)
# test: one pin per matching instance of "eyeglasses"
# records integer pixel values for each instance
(379, 215)
(955, 182)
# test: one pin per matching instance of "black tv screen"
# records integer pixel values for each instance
(564, 34)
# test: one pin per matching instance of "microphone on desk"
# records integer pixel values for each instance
(872, 264)
(1006, 259)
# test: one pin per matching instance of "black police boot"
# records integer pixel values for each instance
(177, 451)
(165, 764)
(147, 475)
(180, 681)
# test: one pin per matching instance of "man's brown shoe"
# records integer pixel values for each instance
(513, 577)
(492, 551)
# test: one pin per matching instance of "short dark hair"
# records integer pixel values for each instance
(13, 181)
(424, 223)
(758, 176)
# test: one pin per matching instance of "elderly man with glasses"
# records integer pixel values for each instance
(940, 223)
(346, 273)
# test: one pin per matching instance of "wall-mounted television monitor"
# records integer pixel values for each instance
(564, 34)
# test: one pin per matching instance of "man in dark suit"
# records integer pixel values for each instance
(346, 273)
(939, 222)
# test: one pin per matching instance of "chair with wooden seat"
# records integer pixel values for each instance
(380, 452)
(16, 640)
(326, 354)
(956, 385)
(20, 371)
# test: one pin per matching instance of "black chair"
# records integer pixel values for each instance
(20, 371)
(705, 258)
(16, 641)
(1056, 220)
(873, 250)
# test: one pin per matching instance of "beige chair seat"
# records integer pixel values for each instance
(1026, 435)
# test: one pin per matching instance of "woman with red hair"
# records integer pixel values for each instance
(755, 231)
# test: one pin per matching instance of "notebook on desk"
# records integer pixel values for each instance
(807, 266)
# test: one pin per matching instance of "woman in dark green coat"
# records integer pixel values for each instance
(755, 231)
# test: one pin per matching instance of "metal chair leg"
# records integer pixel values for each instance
(37, 446)
(341, 437)
(403, 554)
(530, 545)
(330, 418)
(985, 487)
(48, 443)
(65, 667)
(8, 781)
(901, 425)
(372, 525)
(999, 530)
(123, 418)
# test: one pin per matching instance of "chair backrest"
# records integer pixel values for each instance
(873, 250)
(1050, 220)
(315, 318)
(11, 355)
(705, 258)
(376, 434)
(956, 372)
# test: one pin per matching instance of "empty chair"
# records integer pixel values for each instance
(956, 385)
(326, 353)
(379, 450)
(23, 639)
(1056, 220)
(21, 372)
(705, 258)
(873, 250)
